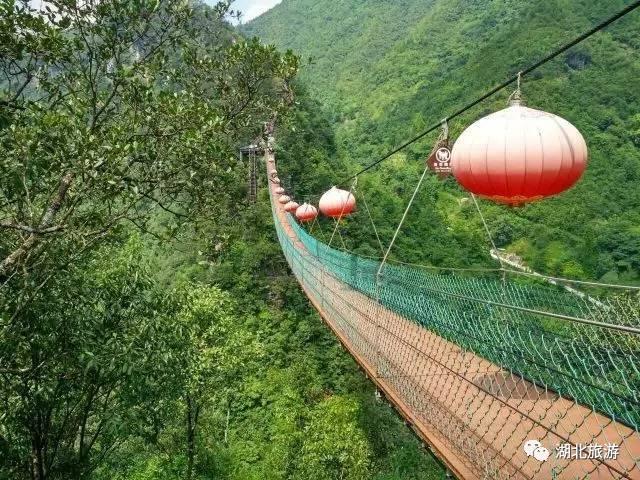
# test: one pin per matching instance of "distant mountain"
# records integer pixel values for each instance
(382, 70)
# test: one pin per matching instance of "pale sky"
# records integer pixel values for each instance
(252, 8)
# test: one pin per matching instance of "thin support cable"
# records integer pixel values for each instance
(378, 286)
(375, 230)
(313, 224)
(486, 227)
(341, 238)
(382, 263)
(344, 205)
(335, 228)
(570, 280)
(404, 216)
(378, 290)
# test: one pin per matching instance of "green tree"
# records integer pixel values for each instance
(90, 363)
(218, 351)
(334, 446)
(111, 112)
(132, 113)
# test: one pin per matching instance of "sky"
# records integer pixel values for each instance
(252, 8)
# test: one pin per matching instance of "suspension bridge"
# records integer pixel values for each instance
(481, 366)
(503, 373)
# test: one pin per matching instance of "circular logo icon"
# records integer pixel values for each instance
(541, 454)
(530, 446)
(443, 155)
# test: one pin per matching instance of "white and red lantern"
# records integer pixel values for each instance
(306, 212)
(284, 199)
(291, 206)
(519, 155)
(337, 203)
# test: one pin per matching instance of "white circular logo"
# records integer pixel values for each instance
(530, 447)
(443, 155)
(541, 454)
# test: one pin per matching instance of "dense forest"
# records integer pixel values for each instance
(381, 72)
(149, 327)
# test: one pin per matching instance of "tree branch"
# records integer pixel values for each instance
(47, 219)
(28, 229)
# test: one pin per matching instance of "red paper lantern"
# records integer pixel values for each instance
(284, 199)
(291, 206)
(306, 212)
(519, 155)
(337, 203)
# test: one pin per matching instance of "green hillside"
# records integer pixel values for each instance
(381, 71)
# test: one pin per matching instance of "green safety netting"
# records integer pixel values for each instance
(512, 322)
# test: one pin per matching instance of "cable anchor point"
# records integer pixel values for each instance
(444, 135)
(516, 97)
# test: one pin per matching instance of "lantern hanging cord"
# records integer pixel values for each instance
(373, 224)
(344, 205)
(500, 87)
(516, 96)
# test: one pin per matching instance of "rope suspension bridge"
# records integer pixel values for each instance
(504, 374)
(478, 369)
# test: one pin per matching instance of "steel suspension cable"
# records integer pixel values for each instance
(500, 87)
(404, 216)
(373, 224)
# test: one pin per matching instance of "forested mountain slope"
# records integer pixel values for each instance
(381, 71)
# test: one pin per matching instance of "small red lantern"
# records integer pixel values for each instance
(519, 155)
(337, 203)
(306, 212)
(291, 206)
(284, 199)
(279, 191)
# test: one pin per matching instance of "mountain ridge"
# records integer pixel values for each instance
(437, 56)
